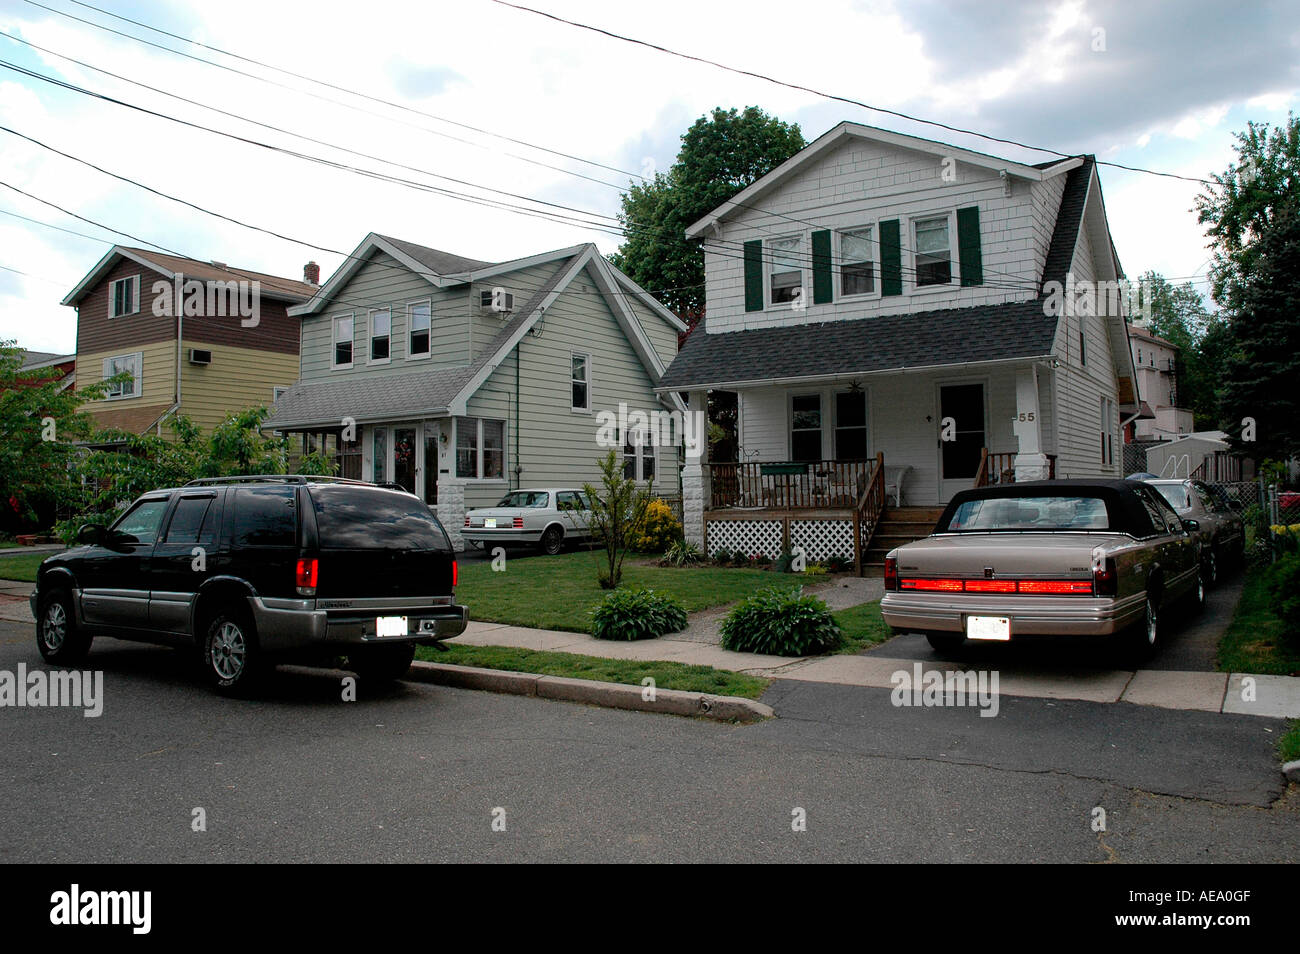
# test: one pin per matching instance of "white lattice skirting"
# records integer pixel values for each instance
(822, 538)
(745, 536)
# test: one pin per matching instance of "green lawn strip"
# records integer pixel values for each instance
(1255, 640)
(1288, 747)
(666, 675)
(559, 592)
(22, 568)
(862, 627)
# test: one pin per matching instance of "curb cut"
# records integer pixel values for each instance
(610, 695)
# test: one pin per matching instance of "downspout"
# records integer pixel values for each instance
(515, 428)
(180, 328)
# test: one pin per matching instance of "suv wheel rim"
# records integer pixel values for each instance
(1152, 624)
(228, 651)
(55, 630)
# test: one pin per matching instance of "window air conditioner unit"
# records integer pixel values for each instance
(497, 300)
(200, 356)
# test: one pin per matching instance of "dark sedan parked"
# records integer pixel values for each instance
(1222, 531)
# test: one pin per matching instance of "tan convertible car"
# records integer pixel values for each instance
(1043, 559)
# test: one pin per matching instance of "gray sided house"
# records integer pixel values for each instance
(460, 379)
(899, 319)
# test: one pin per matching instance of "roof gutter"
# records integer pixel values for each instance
(840, 375)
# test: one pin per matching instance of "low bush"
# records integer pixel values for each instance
(839, 563)
(1283, 583)
(780, 622)
(637, 614)
(656, 531)
(682, 553)
(722, 557)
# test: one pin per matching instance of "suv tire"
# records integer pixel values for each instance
(58, 638)
(230, 656)
(376, 664)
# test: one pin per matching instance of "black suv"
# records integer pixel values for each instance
(251, 571)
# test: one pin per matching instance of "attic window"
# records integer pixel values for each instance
(857, 270)
(933, 252)
(124, 297)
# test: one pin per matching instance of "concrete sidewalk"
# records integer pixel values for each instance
(1271, 696)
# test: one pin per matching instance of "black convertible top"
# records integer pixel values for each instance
(1124, 509)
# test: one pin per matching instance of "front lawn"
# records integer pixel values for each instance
(560, 592)
(1288, 747)
(666, 675)
(862, 627)
(22, 568)
(1254, 641)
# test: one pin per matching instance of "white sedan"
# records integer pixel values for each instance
(545, 517)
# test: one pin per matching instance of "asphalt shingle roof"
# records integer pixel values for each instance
(864, 345)
(366, 397)
(1060, 252)
(438, 262)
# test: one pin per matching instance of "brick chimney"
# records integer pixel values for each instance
(311, 273)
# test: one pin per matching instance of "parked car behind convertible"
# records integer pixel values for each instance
(547, 518)
(1222, 531)
(1046, 559)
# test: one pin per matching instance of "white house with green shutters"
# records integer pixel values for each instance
(460, 379)
(886, 311)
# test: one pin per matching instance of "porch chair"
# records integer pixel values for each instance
(894, 476)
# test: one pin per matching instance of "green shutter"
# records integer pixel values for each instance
(968, 246)
(891, 258)
(823, 293)
(754, 275)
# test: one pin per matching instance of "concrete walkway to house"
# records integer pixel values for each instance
(1270, 696)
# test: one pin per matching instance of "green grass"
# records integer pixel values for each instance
(560, 592)
(862, 627)
(1254, 642)
(1288, 747)
(22, 568)
(666, 675)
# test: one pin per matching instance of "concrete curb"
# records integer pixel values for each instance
(1292, 771)
(610, 695)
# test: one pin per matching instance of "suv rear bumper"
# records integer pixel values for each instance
(285, 624)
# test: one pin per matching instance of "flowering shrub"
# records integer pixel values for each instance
(655, 531)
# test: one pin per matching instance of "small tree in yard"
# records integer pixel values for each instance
(616, 509)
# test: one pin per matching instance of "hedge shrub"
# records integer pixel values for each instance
(780, 622)
(656, 531)
(637, 614)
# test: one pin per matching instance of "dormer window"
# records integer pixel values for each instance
(785, 269)
(933, 251)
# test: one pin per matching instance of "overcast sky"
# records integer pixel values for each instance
(1163, 86)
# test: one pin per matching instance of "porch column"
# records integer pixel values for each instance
(1030, 462)
(695, 474)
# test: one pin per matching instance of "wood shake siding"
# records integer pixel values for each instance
(96, 332)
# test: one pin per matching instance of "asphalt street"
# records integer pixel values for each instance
(420, 773)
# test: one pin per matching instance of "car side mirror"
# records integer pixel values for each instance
(91, 534)
(1191, 526)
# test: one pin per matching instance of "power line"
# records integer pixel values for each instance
(832, 96)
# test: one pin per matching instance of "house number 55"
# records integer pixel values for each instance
(1025, 416)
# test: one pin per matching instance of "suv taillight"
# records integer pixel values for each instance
(455, 574)
(891, 573)
(308, 568)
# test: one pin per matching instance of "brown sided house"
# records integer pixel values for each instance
(200, 339)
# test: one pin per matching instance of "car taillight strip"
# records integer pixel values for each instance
(518, 523)
(1049, 587)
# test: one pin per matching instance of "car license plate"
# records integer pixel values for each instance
(390, 626)
(490, 523)
(988, 627)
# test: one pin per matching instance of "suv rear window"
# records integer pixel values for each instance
(362, 518)
(265, 517)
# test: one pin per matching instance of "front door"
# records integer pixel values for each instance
(959, 456)
(397, 456)
(404, 458)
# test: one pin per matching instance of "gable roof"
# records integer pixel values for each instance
(1069, 222)
(881, 343)
(441, 263)
(273, 286)
(846, 130)
(33, 360)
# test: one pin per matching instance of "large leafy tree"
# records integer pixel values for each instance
(1238, 208)
(722, 153)
(1263, 365)
(40, 421)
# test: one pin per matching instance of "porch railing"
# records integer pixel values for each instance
(1000, 467)
(791, 485)
(866, 514)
